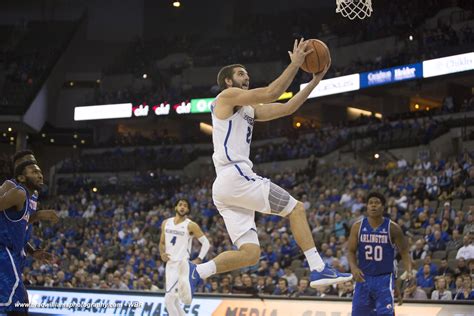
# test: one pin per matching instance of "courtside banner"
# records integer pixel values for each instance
(335, 86)
(152, 304)
(448, 65)
(390, 75)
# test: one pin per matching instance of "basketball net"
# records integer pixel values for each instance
(354, 8)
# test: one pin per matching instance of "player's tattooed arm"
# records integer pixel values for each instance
(351, 255)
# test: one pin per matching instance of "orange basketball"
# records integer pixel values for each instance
(318, 59)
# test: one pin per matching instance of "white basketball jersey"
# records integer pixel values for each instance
(232, 137)
(178, 241)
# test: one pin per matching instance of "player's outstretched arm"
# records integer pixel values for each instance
(402, 245)
(196, 231)
(231, 97)
(14, 197)
(268, 112)
(351, 255)
(44, 215)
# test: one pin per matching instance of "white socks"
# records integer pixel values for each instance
(314, 260)
(207, 269)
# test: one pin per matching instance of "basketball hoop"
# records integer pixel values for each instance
(354, 8)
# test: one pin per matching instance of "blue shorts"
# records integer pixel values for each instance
(12, 289)
(374, 296)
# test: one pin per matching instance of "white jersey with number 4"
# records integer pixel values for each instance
(232, 137)
(178, 240)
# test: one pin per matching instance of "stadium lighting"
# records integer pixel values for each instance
(12, 138)
(94, 189)
(410, 37)
(145, 76)
(75, 136)
(417, 106)
(376, 156)
(71, 83)
(52, 140)
(10, 129)
(176, 4)
(4, 134)
(298, 124)
(74, 146)
(83, 141)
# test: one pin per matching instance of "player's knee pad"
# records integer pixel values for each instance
(281, 202)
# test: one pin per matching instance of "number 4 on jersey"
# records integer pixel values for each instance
(249, 134)
(173, 240)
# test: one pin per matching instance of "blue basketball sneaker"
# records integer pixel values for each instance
(328, 276)
(188, 281)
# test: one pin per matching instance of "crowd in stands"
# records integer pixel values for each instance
(402, 130)
(27, 55)
(138, 159)
(110, 241)
(270, 43)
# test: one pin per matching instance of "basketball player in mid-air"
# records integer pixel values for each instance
(177, 235)
(15, 212)
(372, 244)
(237, 191)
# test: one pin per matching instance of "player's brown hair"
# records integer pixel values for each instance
(226, 72)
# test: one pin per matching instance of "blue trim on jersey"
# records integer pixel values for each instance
(243, 175)
(226, 139)
(25, 208)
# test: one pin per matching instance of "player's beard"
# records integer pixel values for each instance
(32, 185)
(240, 85)
(182, 215)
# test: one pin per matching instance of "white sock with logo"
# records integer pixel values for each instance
(314, 259)
(207, 269)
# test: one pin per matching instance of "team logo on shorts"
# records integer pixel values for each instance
(389, 306)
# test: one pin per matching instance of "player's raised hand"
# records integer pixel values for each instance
(357, 274)
(299, 52)
(165, 257)
(320, 75)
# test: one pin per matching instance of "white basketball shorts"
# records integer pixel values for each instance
(171, 274)
(238, 193)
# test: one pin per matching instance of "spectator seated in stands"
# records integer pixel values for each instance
(467, 250)
(441, 292)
